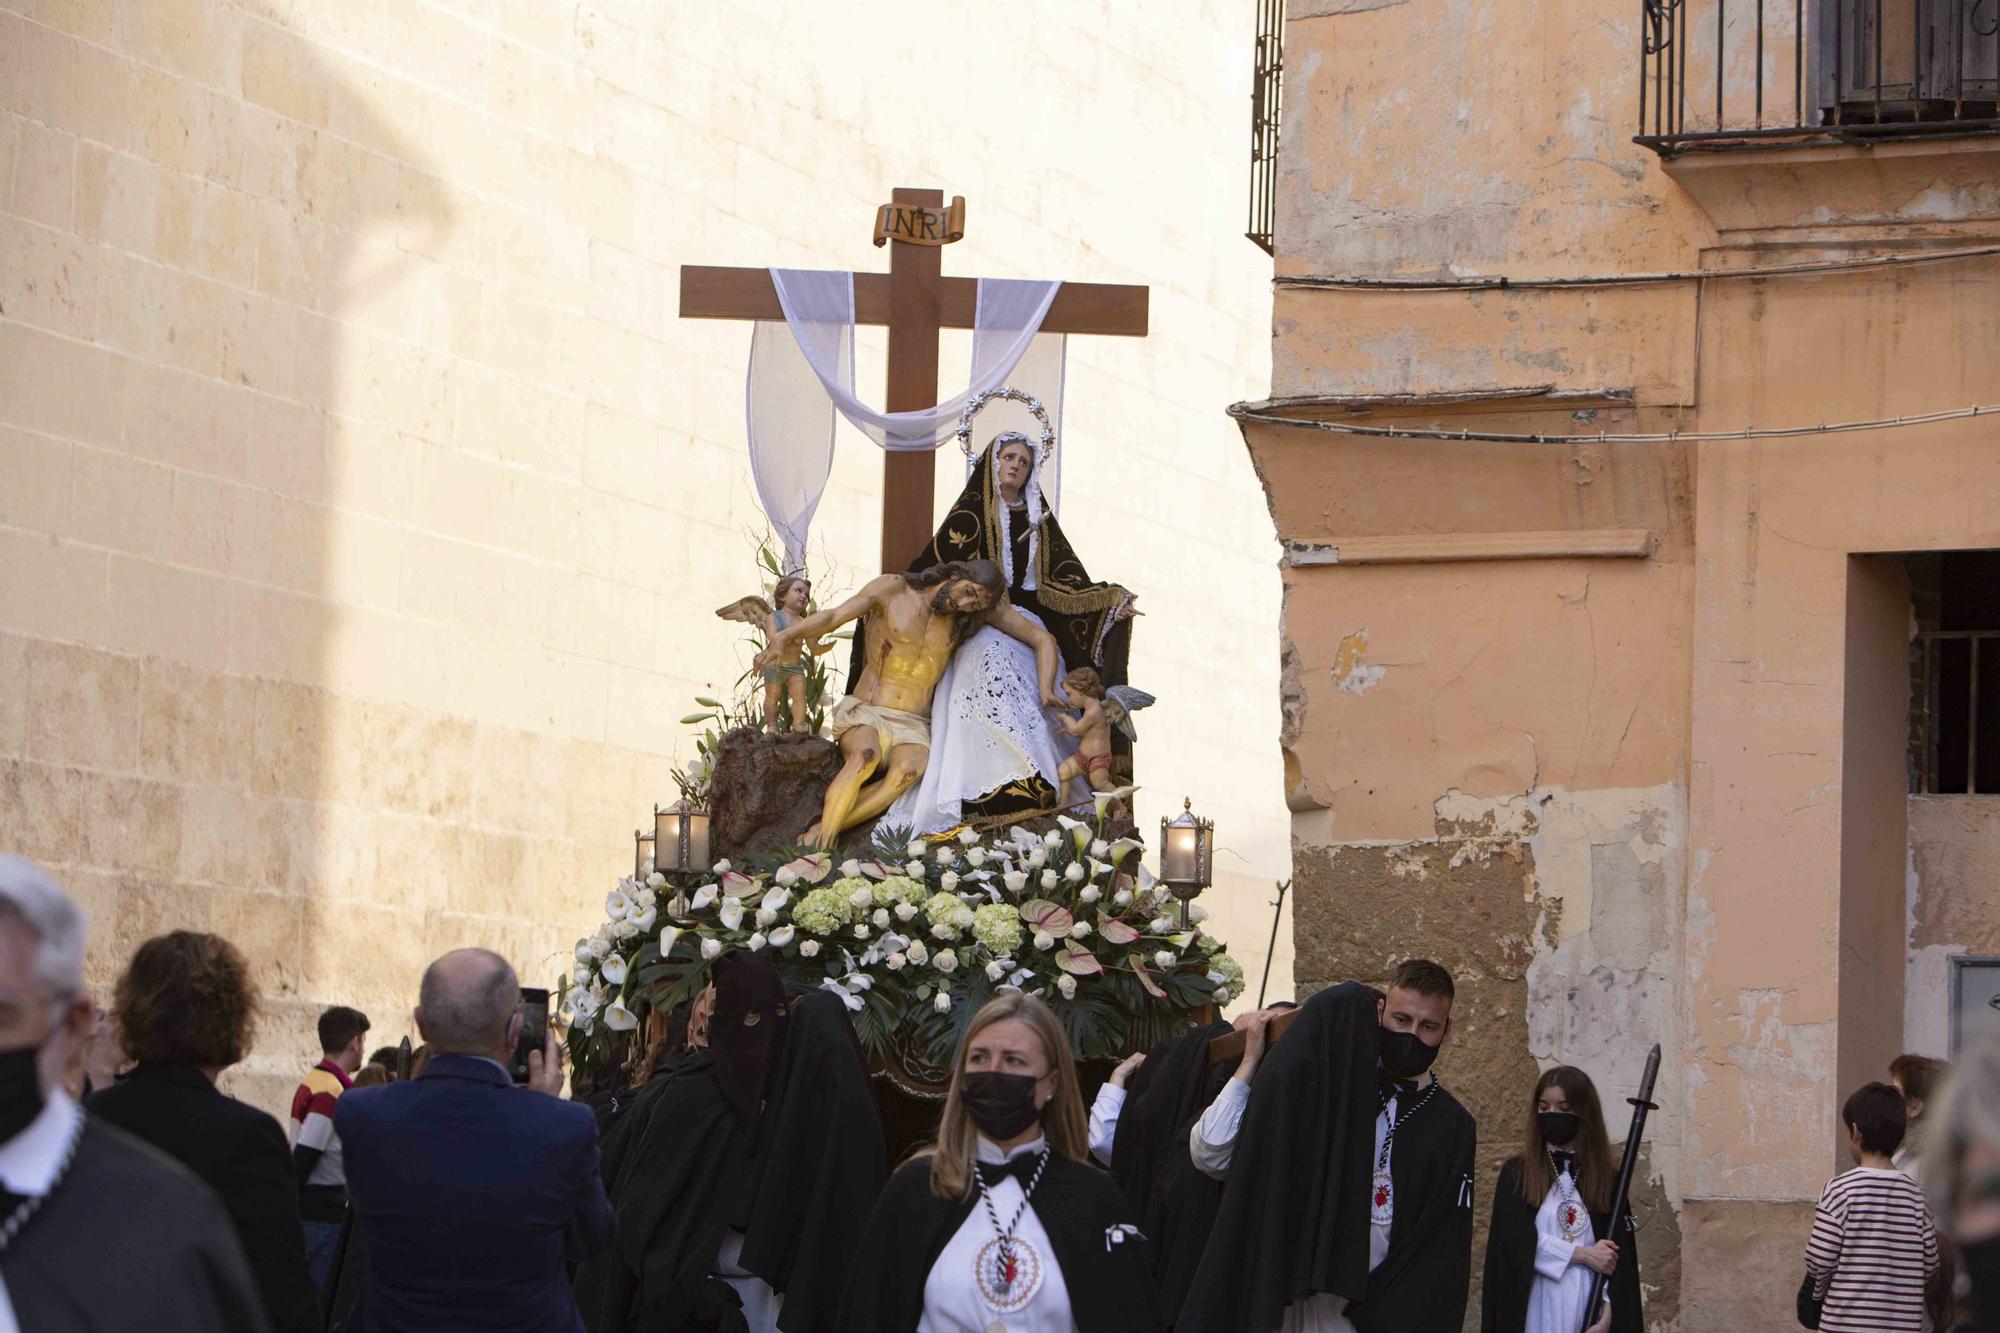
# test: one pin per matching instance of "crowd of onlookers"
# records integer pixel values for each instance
(475, 1201)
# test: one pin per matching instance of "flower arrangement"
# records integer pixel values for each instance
(915, 938)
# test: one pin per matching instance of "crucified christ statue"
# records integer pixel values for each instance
(913, 624)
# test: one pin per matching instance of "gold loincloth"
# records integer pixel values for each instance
(893, 726)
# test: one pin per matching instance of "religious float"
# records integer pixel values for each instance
(957, 821)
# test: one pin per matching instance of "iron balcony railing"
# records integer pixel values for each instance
(1267, 81)
(1735, 73)
(1955, 740)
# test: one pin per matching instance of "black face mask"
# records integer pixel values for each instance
(1558, 1127)
(1001, 1105)
(1981, 1261)
(20, 1090)
(1404, 1055)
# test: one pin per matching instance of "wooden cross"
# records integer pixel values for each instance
(914, 300)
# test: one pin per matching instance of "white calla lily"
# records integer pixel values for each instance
(614, 970)
(704, 897)
(644, 918)
(731, 913)
(757, 941)
(618, 1018)
(617, 905)
(782, 936)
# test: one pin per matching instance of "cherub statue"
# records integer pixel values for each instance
(1101, 710)
(786, 675)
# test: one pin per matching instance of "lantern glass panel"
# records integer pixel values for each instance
(698, 856)
(1179, 856)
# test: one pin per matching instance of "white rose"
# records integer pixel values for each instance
(1050, 879)
(994, 971)
(920, 953)
(786, 877)
(645, 897)
(895, 961)
(584, 953)
(1044, 940)
(850, 868)
(863, 897)
(944, 930)
(881, 917)
(904, 911)
(766, 917)
(1090, 894)
(915, 870)
(949, 881)
(942, 1003)
(1222, 995)
(1038, 858)
(656, 881)
(1074, 874)
(1122, 898)
(968, 836)
(757, 940)
(721, 868)
(782, 936)
(1015, 880)
(711, 947)
(1197, 913)
(1099, 847)
(946, 961)
(1166, 958)
(626, 929)
(1052, 839)
(1067, 985)
(808, 948)
(860, 931)
(1079, 930)
(915, 848)
(976, 857)
(581, 973)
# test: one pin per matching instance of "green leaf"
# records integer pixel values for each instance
(693, 718)
(706, 702)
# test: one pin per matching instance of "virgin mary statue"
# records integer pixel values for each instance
(994, 752)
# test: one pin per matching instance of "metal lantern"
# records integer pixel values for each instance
(642, 849)
(680, 841)
(1187, 846)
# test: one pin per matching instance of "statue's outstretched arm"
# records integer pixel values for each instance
(833, 617)
(1011, 622)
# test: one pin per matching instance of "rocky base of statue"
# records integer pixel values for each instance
(766, 789)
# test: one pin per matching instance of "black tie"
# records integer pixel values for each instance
(1565, 1161)
(1021, 1167)
(1399, 1088)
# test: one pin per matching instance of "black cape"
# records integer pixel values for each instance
(1109, 1283)
(1294, 1214)
(1085, 618)
(821, 1163)
(678, 1165)
(130, 1239)
(1510, 1261)
(1175, 1202)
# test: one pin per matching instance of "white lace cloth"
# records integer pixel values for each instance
(987, 730)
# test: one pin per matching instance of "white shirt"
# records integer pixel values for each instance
(28, 1165)
(1561, 1286)
(953, 1301)
(761, 1305)
(1104, 1114)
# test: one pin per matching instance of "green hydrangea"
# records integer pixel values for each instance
(899, 889)
(944, 909)
(998, 927)
(823, 911)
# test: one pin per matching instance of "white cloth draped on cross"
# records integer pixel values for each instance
(802, 370)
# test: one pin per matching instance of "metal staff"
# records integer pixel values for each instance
(1271, 951)
(1640, 1106)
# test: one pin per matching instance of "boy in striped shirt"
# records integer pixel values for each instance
(1872, 1242)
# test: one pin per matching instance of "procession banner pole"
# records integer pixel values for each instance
(1640, 1106)
(1271, 951)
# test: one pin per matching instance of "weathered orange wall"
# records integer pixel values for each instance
(1628, 800)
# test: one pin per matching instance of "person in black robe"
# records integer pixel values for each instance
(99, 1232)
(1552, 1228)
(681, 1170)
(965, 1233)
(1348, 1195)
(1001, 516)
(821, 1163)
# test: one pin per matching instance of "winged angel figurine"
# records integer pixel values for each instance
(1101, 708)
(787, 675)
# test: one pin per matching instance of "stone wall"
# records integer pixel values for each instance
(363, 503)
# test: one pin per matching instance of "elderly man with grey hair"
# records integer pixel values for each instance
(473, 1194)
(97, 1230)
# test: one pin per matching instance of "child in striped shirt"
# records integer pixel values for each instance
(1872, 1241)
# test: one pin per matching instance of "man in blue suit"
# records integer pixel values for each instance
(472, 1194)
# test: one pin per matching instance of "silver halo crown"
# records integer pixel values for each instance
(1034, 405)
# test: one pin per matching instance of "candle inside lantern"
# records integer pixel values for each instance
(1179, 855)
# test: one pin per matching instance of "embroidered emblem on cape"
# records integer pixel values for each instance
(1007, 1273)
(1382, 1199)
(1571, 1218)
